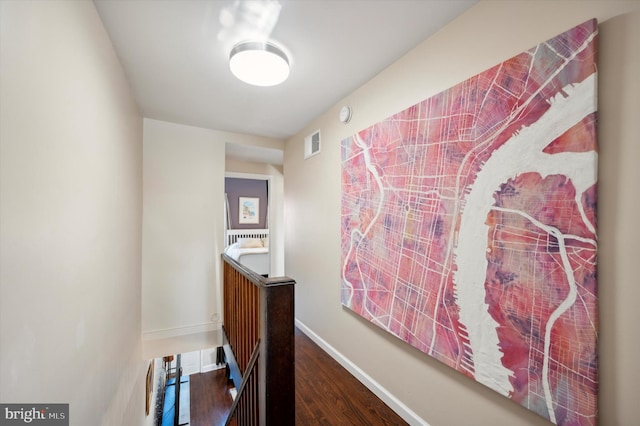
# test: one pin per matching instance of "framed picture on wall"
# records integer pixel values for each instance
(149, 387)
(249, 210)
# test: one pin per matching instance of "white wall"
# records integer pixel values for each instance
(182, 229)
(70, 216)
(618, 206)
(238, 168)
(487, 34)
(183, 226)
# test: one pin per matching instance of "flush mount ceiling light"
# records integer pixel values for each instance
(259, 63)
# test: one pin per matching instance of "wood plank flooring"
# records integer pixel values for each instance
(210, 398)
(326, 394)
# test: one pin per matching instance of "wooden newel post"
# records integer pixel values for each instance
(276, 364)
(259, 346)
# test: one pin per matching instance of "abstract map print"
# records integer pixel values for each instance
(469, 227)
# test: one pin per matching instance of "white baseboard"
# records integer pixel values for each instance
(208, 358)
(394, 403)
(211, 367)
(181, 331)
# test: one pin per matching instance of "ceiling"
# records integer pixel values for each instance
(175, 55)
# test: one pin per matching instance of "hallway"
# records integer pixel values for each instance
(326, 393)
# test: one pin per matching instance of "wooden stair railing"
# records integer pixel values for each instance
(259, 345)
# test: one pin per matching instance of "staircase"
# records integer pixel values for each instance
(169, 408)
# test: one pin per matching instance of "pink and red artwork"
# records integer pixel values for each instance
(469, 227)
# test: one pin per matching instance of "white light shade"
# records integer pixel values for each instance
(259, 63)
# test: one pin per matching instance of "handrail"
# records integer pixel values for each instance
(258, 315)
(177, 389)
(256, 278)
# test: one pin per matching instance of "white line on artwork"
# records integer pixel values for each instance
(522, 153)
(488, 139)
(563, 307)
(361, 234)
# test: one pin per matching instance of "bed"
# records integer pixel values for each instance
(249, 247)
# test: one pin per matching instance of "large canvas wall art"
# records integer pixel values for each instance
(469, 227)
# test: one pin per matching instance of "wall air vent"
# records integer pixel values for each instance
(312, 144)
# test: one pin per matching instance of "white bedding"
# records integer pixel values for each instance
(235, 252)
(251, 254)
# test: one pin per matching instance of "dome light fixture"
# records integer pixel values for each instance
(259, 63)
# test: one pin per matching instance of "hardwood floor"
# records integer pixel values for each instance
(210, 398)
(326, 394)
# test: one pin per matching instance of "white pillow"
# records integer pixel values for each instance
(249, 243)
